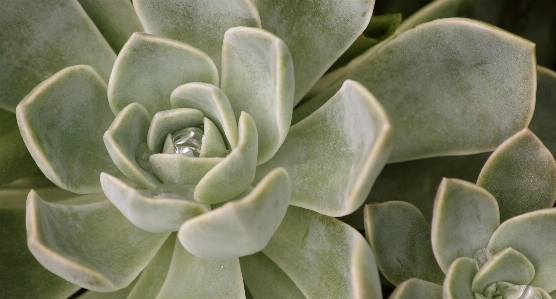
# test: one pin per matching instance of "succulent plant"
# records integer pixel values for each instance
(489, 240)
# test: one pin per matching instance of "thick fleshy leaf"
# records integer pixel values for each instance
(152, 278)
(213, 143)
(236, 172)
(119, 294)
(543, 124)
(334, 155)
(180, 169)
(72, 156)
(212, 101)
(22, 276)
(459, 277)
(200, 23)
(169, 121)
(324, 257)
(464, 218)
(460, 76)
(62, 238)
(400, 238)
(15, 160)
(41, 38)
(521, 175)
(115, 19)
(507, 265)
(265, 280)
(257, 77)
(240, 227)
(123, 138)
(533, 235)
(156, 215)
(201, 278)
(316, 32)
(417, 289)
(150, 67)
(417, 182)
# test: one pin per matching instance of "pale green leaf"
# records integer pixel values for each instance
(316, 33)
(156, 215)
(201, 278)
(22, 276)
(62, 238)
(212, 101)
(464, 218)
(533, 235)
(507, 265)
(200, 23)
(543, 124)
(213, 143)
(417, 289)
(257, 77)
(458, 82)
(119, 294)
(181, 169)
(150, 67)
(152, 278)
(401, 240)
(240, 227)
(324, 257)
(169, 121)
(459, 277)
(115, 19)
(128, 131)
(39, 38)
(521, 175)
(265, 280)
(334, 155)
(72, 156)
(236, 172)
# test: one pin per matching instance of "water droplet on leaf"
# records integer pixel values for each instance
(482, 256)
(188, 141)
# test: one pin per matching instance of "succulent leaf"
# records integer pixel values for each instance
(521, 175)
(201, 278)
(257, 77)
(121, 249)
(115, 19)
(400, 238)
(334, 155)
(180, 169)
(329, 28)
(464, 218)
(543, 124)
(169, 121)
(213, 102)
(200, 23)
(213, 143)
(507, 265)
(242, 226)
(236, 172)
(70, 156)
(417, 289)
(315, 250)
(265, 280)
(459, 277)
(150, 67)
(156, 215)
(457, 83)
(531, 234)
(122, 140)
(41, 38)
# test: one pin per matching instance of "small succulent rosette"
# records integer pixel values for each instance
(198, 166)
(493, 239)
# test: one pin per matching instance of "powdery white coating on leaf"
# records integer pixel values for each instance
(324, 257)
(334, 155)
(90, 245)
(257, 77)
(200, 23)
(316, 32)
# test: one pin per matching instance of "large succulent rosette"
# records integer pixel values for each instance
(190, 163)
